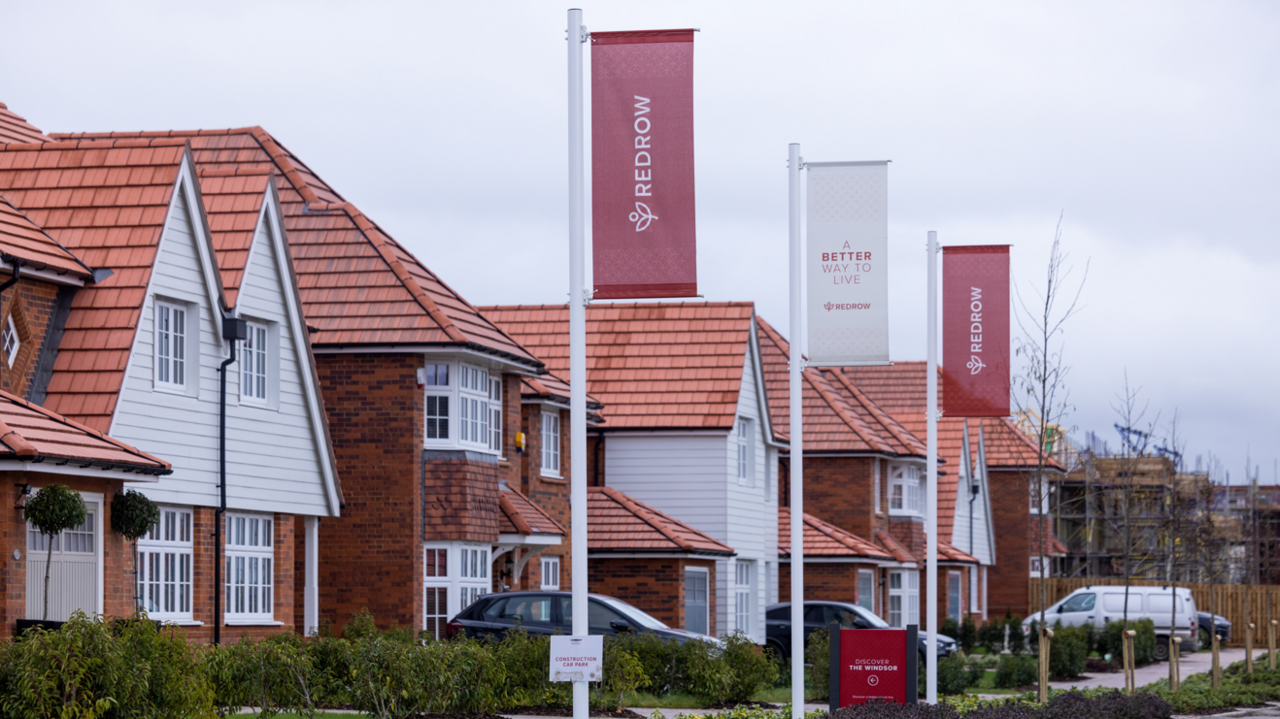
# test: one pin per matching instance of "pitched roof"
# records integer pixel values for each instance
(521, 515)
(14, 128)
(105, 200)
(551, 388)
(837, 416)
(233, 200)
(670, 364)
(619, 524)
(900, 389)
(1053, 546)
(31, 433)
(825, 540)
(948, 553)
(23, 239)
(893, 546)
(358, 285)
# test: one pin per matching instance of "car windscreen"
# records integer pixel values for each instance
(870, 618)
(646, 620)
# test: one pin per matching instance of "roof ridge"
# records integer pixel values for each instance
(281, 157)
(881, 416)
(513, 514)
(16, 442)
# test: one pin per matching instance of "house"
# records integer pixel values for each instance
(143, 355)
(686, 431)
(990, 455)
(864, 495)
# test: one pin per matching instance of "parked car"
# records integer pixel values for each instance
(820, 615)
(1098, 605)
(493, 615)
(1210, 623)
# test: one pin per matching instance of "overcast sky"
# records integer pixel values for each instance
(1153, 127)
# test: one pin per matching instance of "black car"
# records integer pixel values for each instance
(1210, 623)
(493, 615)
(820, 615)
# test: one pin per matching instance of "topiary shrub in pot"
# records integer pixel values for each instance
(53, 510)
(133, 515)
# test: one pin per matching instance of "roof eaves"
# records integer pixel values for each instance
(909, 442)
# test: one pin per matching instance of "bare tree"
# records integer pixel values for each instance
(1040, 391)
(1177, 519)
(1134, 445)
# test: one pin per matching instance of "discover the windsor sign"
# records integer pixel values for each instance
(847, 263)
(873, 664)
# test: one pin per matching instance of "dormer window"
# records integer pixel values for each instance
(171, 345)
(11, 341)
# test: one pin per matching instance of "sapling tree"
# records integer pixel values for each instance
(53, 510)
(133, 515)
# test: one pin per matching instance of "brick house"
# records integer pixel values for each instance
(864, 490)
(997, 458)
(137, 353)
(686, 432)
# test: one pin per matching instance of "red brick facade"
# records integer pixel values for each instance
(32, 304)
(1010, 517)
(655, 585)
(550, 493)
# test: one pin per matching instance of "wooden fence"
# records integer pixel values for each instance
(1264, 601)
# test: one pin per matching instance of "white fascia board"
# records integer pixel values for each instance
(67, 469)
(46, 275)
(625, 432)
(658, 555)
(762, 396)
(844, 560)
(274, 219)
(530, 540)
(480, 358)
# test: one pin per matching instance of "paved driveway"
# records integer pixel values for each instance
(1191, 664)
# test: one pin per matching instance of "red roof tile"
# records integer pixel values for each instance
(651, 364)
(23, 239)
(618, 523)
(13, 128)
(893, 546)
(106, 201)
(521, 515)
(31, 433)
(900, 389)
(837, 417)
(825, 540)
(358, 285)
(948, 553)
(232, 204)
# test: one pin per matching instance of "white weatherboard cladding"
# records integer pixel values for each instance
(693, 477)
(973, 537)
(273, 463)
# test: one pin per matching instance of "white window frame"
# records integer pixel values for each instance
(975, 597)
(954, 581)
(743, 442)
(436, 393)
(550, 573)
(473, 406)
(705, 604)
(165, 566)
(550, 436)
(171, 356)
(870, 575)
(907, 596)
(12, 340)
(743, 593)
(465, 578)
(875, 487)
(1035, 566)
(906, 495)
(250, 572)
(435, 590)
(473, 573)
(255, 366)
(495, 414)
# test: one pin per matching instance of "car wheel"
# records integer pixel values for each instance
(1206, 641)
(1162, 649)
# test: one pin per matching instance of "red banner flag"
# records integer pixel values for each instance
(643, 238)
(975, 331)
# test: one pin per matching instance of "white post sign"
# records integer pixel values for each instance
(847, 263)
(577, 659)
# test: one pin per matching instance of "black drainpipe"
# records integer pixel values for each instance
(596, 459)
(233, 329)
(785, 499)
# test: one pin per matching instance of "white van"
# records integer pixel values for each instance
(1100, 604)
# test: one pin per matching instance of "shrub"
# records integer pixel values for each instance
(660, 658)
(361, 626)
(750, 669)
(953, 678)
(623, 676)
(1144, 643)
(968, 635)
(1017, 671)
(950, 628)
(1017, 637)
(526, 658)
(817, 654)
(1068, 650)
(77, 671)
(991, 635)
(175, 683)
(387, 678)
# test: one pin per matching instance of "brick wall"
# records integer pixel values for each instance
(551, 494)
(286, 527)
(836, 490)
(655, 585)
(826, 581)
(31, 304)
(1010, 519)
(909, 532)
(370, 557)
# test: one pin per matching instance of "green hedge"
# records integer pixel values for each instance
(1144, 642)
(91, 668)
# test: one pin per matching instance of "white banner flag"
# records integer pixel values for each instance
(848, 280)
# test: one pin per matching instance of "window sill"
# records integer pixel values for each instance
(555, 478)
(178, 389)
(180, 622)
(252, 623)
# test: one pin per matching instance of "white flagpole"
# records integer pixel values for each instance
(931, 491)
(575, 36)
(797, 441)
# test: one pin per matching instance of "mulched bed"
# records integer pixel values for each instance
(1096, 665)
(547, 712)
(1220, 710)
(749, 705)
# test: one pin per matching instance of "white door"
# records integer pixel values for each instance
(74, 574)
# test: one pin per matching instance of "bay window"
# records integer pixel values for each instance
(462, 406)
(164, 566)
(905, 493)
(455, 574)
(250, 581)
(495, 414)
